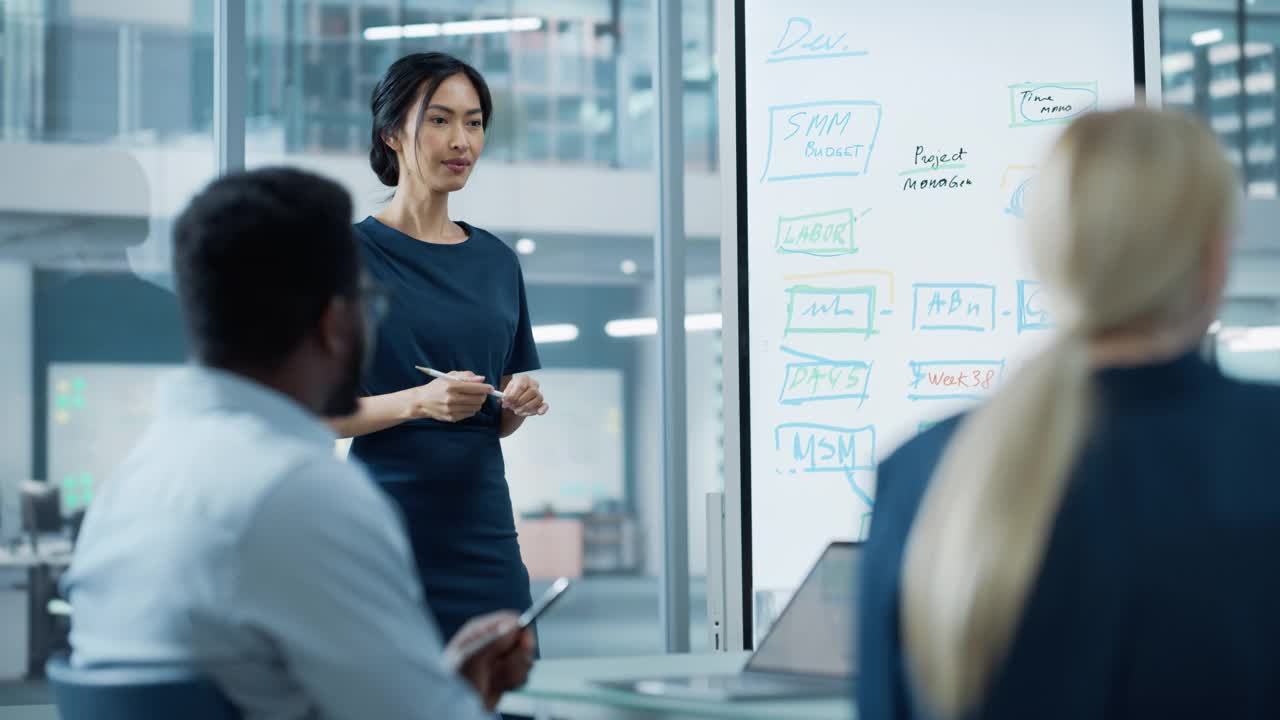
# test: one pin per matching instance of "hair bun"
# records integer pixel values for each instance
(384, 164)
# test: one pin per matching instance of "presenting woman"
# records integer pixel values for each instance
(456, 305)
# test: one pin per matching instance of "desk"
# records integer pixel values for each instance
(563, 689)
(29, 712)
(41, 567)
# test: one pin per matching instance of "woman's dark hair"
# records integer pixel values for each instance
(393, 99)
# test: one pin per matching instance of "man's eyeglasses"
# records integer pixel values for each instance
(374, 300)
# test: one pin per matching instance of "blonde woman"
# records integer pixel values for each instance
(1100, 539)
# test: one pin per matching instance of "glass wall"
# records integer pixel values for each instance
(106, 128)
(105, 132)
(573, 78)
(567, 180)
(1219, 62)
(106, 115)
(108, 109)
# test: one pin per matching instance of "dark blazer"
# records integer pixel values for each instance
(1159, 595)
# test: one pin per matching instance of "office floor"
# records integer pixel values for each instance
(34, 692)
(600, 616)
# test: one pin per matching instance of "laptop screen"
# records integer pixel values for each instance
(814, 633)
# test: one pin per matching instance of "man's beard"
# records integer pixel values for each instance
(345, 398)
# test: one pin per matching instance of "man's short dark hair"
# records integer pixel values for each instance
(258, 256)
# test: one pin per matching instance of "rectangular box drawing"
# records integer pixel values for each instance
(1033, 313)
(821, 139)
(814, 381)
(967, 307)
(821, 310)
(813, 448)
(826, 234)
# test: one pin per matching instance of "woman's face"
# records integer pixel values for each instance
(448, 141)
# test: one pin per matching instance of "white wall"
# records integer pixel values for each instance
(68, 179)
(532, 198)
(87, 180)
(15, 388)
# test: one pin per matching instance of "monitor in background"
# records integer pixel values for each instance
(97, 413)
(40, 508)
(11, 527)
(572, 461)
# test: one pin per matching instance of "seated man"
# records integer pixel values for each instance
(232, 540)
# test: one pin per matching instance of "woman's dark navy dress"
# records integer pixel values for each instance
(452, 307)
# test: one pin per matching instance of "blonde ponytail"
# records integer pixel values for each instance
(977, 541)
(1127, 207)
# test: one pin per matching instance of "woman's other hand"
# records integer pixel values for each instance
(524, 397)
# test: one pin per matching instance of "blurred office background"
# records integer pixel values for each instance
(106, 129)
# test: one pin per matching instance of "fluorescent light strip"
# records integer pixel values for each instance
(1206, 37)
(484, 27)
(631, 327)
(565, 332)
(641, 327)
(705, 321)
(421, 30)
(463, 27)
(383, 32)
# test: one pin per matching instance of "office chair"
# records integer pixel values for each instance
(134, 693)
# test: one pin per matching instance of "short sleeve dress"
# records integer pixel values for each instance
(452, 307)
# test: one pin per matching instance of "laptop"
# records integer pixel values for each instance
(807, 653)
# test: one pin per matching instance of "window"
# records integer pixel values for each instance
(1219, 62)
(566, 180)
(107, 114)
(109, 108)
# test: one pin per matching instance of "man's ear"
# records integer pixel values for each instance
(334, 332)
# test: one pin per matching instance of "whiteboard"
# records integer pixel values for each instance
(97, 413)
(888, 155)
(572, 460)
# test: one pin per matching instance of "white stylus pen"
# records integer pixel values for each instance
(445, 376)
